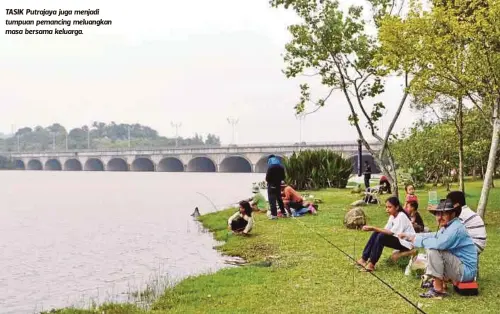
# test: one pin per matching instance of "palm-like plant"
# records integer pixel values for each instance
(309, 170)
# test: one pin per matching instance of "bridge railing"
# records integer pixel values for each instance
(261, 148)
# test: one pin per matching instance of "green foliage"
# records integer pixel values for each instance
(315, 169)
(107, 308)
(416, 175)
(338, 45)
(102, 136)
(428, 151)
(334, 43)
(430, 146)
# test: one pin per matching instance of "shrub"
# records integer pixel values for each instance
(309, 170)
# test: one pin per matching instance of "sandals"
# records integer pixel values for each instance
(360, 264)
(433, 294)
(427, 284)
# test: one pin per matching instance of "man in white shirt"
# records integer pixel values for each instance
(472, 221)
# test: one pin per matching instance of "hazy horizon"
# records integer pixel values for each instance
(164, 62)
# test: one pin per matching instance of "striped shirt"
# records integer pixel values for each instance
(475, 227)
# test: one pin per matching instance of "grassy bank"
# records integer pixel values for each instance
(306, 274)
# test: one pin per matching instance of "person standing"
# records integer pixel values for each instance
(367, 174)
(274, 175)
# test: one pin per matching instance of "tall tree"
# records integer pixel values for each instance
(338, 45)
(457, 43)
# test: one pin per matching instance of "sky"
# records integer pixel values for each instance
(195, 62)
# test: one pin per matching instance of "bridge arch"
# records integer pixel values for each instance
(142, 164)
(235, 164)
(35, 164)
(72, 165)
(93, 164)
(261, 165)
(53, 165)
(201, 164)
(365, 157)
(117, 164)
(170, 164)
(19, 164)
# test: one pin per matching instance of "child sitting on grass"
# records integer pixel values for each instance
(415, 218)
(242, 221)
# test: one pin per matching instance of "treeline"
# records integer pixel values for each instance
(99, 135)
(429, 151)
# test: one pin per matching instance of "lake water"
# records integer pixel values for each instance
(68, 238)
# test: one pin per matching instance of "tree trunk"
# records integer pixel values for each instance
(490, 169)
(474, 173)
(460, 131)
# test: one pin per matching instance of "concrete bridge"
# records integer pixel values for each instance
(241, 158)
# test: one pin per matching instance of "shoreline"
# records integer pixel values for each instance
(289, 269)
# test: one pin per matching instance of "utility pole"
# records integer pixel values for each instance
(53, 140)
(233, 122)
(301, 116)
(129, 136)
(176, 126)
(88, 138)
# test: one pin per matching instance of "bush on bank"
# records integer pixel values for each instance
(317, 169)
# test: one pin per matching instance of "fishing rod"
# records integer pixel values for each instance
(208, 198)
(417, 308)
(220, 205)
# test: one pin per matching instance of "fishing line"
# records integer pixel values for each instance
(225, 205)
(371, 273)
(215, 207)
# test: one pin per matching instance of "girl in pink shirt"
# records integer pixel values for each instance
(410, 197)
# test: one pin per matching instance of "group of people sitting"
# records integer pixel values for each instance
(280, 195)
(242, 221)
(452, 251)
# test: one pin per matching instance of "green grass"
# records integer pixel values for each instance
(308, 275)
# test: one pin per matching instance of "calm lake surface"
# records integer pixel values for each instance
(68, 238)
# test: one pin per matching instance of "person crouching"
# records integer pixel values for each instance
(242, 221)
(451, 253)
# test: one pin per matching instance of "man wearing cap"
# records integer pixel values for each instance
(258, 202)
(451, 253)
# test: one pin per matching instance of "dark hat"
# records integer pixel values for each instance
(445, 205)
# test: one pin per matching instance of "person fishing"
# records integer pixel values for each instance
(241, 222)
(451, 253)
(274, 175)
(257, 201)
